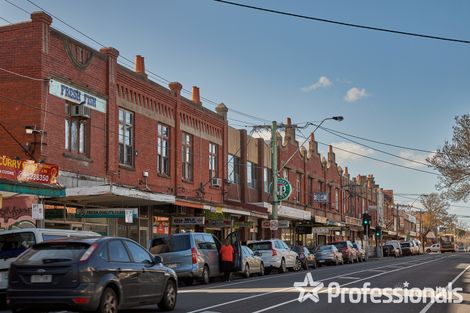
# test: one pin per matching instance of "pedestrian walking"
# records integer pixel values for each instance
(226, 255)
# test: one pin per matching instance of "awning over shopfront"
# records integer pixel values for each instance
(10, 188)
(113, 195)
(219, 209)
(288, 212)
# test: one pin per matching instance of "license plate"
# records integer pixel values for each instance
(321, 261)
(41, 278)
(172, 265)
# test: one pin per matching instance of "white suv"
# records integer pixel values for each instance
(276, 254)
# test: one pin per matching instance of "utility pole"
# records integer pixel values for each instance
(274, 174)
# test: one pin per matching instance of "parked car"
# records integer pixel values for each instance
(391, 250)
(433, 248)
(346, 248)
(306, 257)
(100, 274)
(414, 247)
(361, 251)
(419, 245)
(14, 242)
(329, 254)
(252, 263)
(276, 255)
(406, 248)
(194, 256)
(396, 245)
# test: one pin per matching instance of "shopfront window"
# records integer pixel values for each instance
(163, 150)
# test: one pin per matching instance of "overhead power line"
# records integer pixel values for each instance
(375, 141)
(386, 30)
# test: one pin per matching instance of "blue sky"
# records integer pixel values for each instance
(402, 90)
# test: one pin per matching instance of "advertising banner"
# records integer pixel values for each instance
(28, 171)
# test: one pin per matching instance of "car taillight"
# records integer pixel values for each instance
(274, 252)
(81, 300)
(88, 252)
(194, 255)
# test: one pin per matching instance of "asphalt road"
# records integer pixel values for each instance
(276, 292)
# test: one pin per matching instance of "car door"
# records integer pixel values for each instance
(151, 277)
(234, 239)
(124, 270)
(254, 264)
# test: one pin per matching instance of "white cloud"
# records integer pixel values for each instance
(416, 156)
(343, 156)
(322, 82)
(355, 94)
(265, 134)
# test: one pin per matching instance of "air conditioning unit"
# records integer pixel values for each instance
(80, 110)
(216, 182)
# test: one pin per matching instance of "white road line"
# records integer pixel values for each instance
(353, 282)
(246, 281)
(429, 305)
(348, 277)
(280, 290)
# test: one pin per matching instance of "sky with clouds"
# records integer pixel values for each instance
(390, 88)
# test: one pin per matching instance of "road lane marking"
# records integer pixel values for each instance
(246, 281)
(353, 282)
(348, 277)
(285, 289)
(429, 305)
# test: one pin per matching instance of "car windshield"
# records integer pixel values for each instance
(325, 248)
(12, 245)
(405, 244)
(264, 245)
(298, 249)
(54, 252)
(171, 244)
(340, 245)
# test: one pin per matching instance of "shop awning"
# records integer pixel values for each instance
(9, 188)
(220, 209)
(288, 212)
(113, 195)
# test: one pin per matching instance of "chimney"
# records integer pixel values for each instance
(196, 96)
(175, 88)
(312, 145)
(222, 110)
(140, 65)
(331, 155)
(290, 131)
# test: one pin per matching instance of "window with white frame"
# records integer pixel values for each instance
(126, 137)
(267, 179)
(233, 168)
(298, 187)
(163, 149)
(213, 156)
(187, 147)
(337, 199)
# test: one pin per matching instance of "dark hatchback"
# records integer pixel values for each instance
(102, 274)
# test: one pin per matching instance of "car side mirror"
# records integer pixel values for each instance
(157, 259)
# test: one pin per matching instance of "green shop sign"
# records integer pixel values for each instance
(105, 213)
(284, 189)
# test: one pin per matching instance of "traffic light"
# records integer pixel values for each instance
(378, 231)
(366, 222)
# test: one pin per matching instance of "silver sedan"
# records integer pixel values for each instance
(251, 263)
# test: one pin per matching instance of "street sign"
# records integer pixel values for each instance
(129, 216)
(274, 224)
(265, 224)
(320, 197)
(284, 189)
(188, 220)
(283, 224)
(37, 211)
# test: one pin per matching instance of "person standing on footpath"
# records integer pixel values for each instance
(226, 255)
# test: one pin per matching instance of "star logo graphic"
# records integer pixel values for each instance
(308, 293)
(406, 284)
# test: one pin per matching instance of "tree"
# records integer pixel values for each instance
(453, 161)
(435, 214)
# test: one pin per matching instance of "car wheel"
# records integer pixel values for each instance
(336, 261)
(282, 268)
(314, 265)
(297, 266)
(428, 251)
(247, 271)
(109, 302)
(168, 301)
(342, 261)
(261, 269)
(206, 275)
